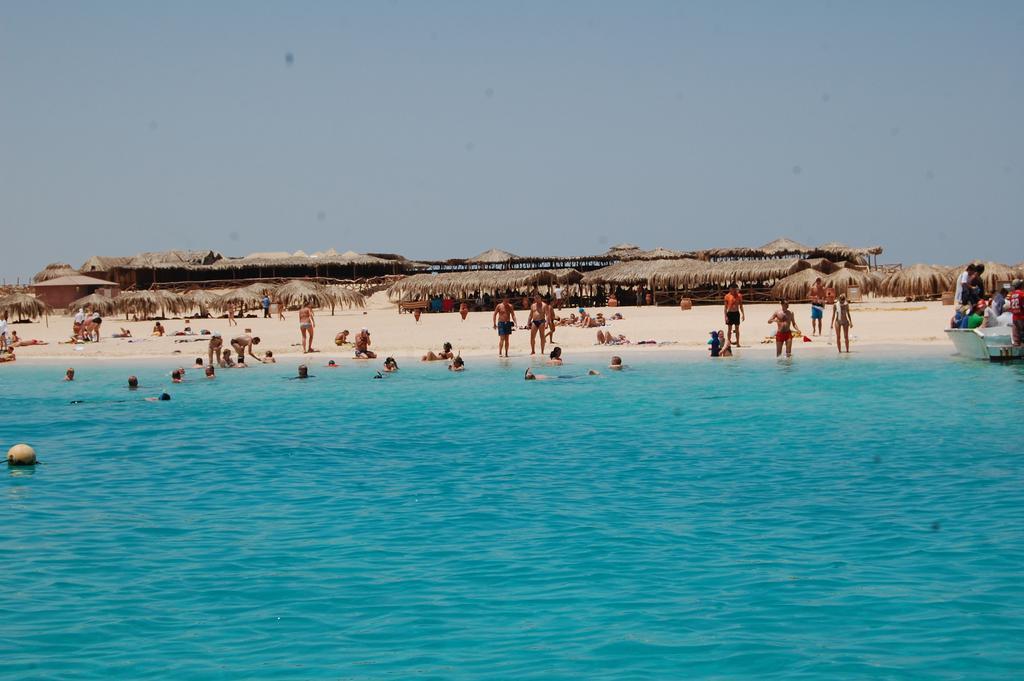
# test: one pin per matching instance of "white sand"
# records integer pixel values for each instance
(878, 325)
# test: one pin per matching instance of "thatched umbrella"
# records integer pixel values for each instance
(23, 306)
(105, 305)
(172, 302)
(796, 286)
(55, 270)
(843, 279)
(918, 281)
(785, 246)
(141, 303)
(203, 300)
(303, 291)
(246, 296)
(340, 295)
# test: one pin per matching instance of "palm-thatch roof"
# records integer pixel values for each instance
(654, 254)
(104, 263)
(632, 272)
(23, 306)
(618, 248)
(203, 300)
(821, 265)
(105, 305)
(53, 271)
(341, 295)
(843, 279)
(834, 250)
(724, 272)
(796, 286)
(172, 302)
(174, 258)
(141, 303)
(246, 296)
(302, 292)
(461, 284)
(783, 246)
(918, 281)
(493, 255)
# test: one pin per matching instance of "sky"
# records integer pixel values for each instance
(442, 129)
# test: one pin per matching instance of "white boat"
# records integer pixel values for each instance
(993, 343)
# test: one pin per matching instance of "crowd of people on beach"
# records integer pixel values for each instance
(974, 309)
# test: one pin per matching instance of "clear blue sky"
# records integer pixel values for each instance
(439, 129)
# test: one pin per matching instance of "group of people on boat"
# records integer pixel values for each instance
(974, 309)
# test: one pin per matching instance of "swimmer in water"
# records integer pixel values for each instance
(303, 372)
(69, 375)
(332, 364)
(164, 397)
(176, 376)
(616, 363)
(390, 365)
(133, 382)
(210, 373)
(457, 365)
(555, 358)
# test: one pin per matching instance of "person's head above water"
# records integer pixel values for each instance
(332, 363)
(303, 371)
(616, 362)
(69, 375)
(210, 372)
(199, 361)
(529, 375)
(556, 353)
(457, 363)
(133, 382)
(164, 397)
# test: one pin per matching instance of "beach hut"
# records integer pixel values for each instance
(918, 281)
(105, 305)
(795, 287)
(55, 270)
(61, 291)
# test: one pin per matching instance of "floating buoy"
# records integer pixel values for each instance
(21, 455)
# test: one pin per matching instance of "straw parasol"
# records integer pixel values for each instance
(492, 256)
(141, 303)
(105, 305)
(843, 279)
(55, 270)
(245, 296)
(796, 286)
(785, 246)
(23, 306)
(918, 281)
(341, 295)
(203, 300)
(172, 302)
(301, 292)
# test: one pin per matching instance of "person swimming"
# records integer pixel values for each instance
(457, 365)
(331, 364)
(555, 358)
(390, 365)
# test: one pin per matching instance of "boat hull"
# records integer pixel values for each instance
(994, 343)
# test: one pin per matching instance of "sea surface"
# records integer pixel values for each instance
(825, 518)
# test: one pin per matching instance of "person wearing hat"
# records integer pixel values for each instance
(1015, 305)
(363, 345)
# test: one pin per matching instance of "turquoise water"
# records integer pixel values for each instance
(829, 518)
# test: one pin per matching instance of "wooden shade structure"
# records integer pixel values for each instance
(23, 306)
(918, 281)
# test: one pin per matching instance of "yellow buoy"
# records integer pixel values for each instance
(21, 455)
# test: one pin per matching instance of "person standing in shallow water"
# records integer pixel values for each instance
(842, 322)
(537, 321)
(504, 320)
(306, 326)
(785, 322)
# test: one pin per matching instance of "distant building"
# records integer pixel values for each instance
(62, 291)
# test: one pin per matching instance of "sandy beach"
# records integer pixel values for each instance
(878, 325)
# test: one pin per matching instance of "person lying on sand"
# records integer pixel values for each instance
(23, 343)
(446, 353)
(123, 333)
(608, 338)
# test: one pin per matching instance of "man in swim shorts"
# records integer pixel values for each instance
(734, 312)
(785, 322)
(241, 344)
(817, 295)
(537, 321)
(504, 320)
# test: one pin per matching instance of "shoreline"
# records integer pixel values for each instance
(881, 328)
